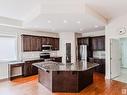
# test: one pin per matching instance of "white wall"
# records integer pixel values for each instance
(67, 37)
(8, 21)
(95, 33)
(9, 31)
(112, 31)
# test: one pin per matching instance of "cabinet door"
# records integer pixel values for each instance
(94, 43)
(99, 43)
(26, 43)
(43, 40)
(56, 45)
(38, 43)
(79, 41)
(27, 69)
(35, 43)
(52, 42)
(103, 43)
(85, 41)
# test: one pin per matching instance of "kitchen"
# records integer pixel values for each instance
(47, 48)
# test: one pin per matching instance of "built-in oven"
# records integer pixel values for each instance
(46, 47)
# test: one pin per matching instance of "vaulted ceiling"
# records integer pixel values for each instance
(63, 15)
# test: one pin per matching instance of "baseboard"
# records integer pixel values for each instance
(14, 77)
(5, 79)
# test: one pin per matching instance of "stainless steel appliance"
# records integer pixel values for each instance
(83, 52)
(45, 55)
(46, 47)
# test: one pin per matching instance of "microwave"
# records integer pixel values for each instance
(46, 47)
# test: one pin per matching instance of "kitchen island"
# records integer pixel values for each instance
(70, 77)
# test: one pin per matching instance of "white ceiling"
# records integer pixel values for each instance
(62, 15)
(109, 8)
(17, 9)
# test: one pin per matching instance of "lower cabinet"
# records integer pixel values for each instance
(29, 69)
(56, 59)
(101, 67)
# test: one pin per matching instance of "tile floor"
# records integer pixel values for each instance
(123, 76)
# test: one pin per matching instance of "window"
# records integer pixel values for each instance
(8, 48)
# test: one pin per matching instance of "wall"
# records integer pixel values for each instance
(95, 33)
(67, 37)
(9, 31)
(8, 21)
(112, 32)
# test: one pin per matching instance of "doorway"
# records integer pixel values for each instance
(119, 60)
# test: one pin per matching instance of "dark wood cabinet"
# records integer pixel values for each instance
(43, 40)
(56, 59)
(29, 69)
(55, 43)
(83, 41)
(98, 43)
(26, 43)
(34, 43)
(101, 67)
(31, 43)
(46, 40)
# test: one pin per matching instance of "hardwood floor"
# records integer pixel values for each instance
(30, 86)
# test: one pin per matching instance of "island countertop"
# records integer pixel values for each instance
(54, 66)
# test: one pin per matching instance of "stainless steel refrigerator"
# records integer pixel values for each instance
(83, 52)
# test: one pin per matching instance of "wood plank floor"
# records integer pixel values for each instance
(30, 86)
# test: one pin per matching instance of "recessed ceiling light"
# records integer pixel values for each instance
(78, 22)
(49, 21)
(65, 21)
(96, 26)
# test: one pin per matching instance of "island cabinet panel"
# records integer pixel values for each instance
(84, 79)
(65, 81)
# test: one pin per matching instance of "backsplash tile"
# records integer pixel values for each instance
(99, 54)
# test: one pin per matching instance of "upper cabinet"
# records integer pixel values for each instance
(98, 43)
(34, 43)
(26, 43)
(56, 44)
(83, 41)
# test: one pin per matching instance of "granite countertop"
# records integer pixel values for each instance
(54, 66)
(16, 62)
(23, 61)
(32, 59)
